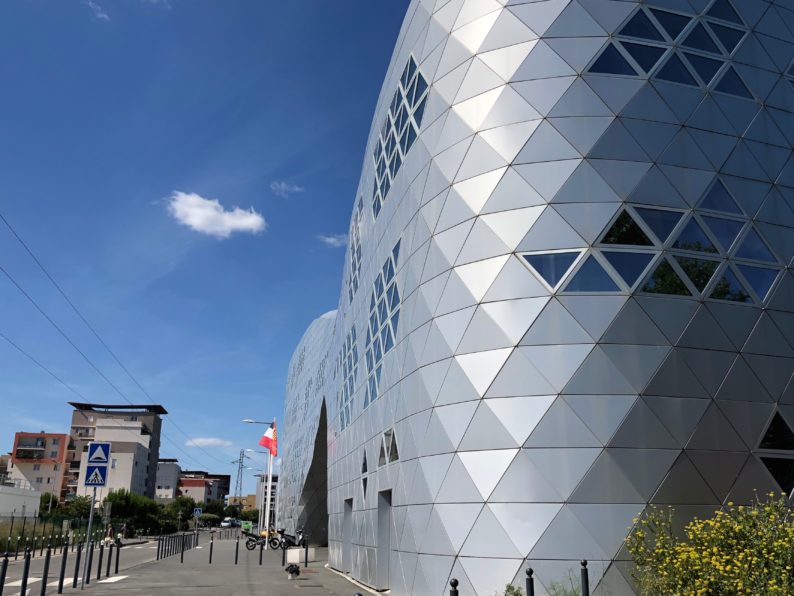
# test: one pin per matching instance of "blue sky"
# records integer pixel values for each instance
(122, 121)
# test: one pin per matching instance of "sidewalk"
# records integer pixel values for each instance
(197, 578)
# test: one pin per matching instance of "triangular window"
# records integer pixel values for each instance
(705, 67)
(645, 56)
(732, 84)
(759, 278)
(394, 455)
(665, 281)
(552, 267)
(754, 248)
(699, 271)
(364, 464)
(778, 436)
(611, 61)
(782, 471)
(728, 36)
(641, 26)
(626, 231)
(672, 23)
(364, 486)
(730, 288)
(629, 265)
(692, 237)
(722, 9)
(719, 199)
(726, 230)
(675, 71)
(661, 222)
(591, 277)
(382, 456)
(699, 39)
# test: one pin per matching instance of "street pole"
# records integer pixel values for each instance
(86, 570)
(267, 494)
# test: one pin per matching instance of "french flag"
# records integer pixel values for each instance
(270, 439)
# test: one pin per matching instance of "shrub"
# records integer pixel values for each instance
(740, 550)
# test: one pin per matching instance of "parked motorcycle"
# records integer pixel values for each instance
(252, 541)
(286, 540)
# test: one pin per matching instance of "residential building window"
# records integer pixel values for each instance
(36, 467)
(53, 454)
(39, 479)
(56, 441)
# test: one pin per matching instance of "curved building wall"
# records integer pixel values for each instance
(567, 292)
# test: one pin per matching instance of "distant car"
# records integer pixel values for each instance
(227, 522)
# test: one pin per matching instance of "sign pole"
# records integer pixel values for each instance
(86, 570)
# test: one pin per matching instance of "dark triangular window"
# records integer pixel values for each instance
(672, 23)
(699, 39)
(705, 67)
(641, 26)
(730, 288)
(722, 9)
(611, 61)
(382, 455)
(760, 278)
(675, 71)
(629, 265)
(645, 56)
(364, 486)
(754, 248)
(732, 84)
(692, 237)
(665, 281)
(728, 36)
(778, 436)
(394, 455)
(726, 230)
(661, 222)
(591, 277)
(364, 464)
(552, 267)
(626, 231)
(699, 271)
(782, 471)
(719, 199)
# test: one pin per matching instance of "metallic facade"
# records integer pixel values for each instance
(567, 293)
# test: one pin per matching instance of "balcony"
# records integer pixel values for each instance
(28, 454)
(31, 444)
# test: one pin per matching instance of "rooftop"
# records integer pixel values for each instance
(151, 408)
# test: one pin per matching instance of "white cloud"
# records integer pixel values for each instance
(281, 188)
(208, 216)
(333, 240)
(207, 442)
(99, 12)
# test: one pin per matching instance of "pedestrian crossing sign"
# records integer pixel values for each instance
(96, 475)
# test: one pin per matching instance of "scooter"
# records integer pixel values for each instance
(285, 541)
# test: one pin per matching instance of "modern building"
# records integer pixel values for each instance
(567, 293)
(135, 433)
(168, 472)
(246, 503)
(260, 500)
(38, 462)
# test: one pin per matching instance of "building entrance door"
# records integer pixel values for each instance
(347, 537)
(384, 538)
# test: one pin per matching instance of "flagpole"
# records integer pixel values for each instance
(267, 494)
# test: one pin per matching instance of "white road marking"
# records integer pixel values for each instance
(113, 580)
(141, 547)
(18, 583)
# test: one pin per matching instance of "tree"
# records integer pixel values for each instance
(137, 511)
(232, 511)
(215, 507)
(740, 550)
(80, 506)
(183, 506)
(48, 503)
(251, 515)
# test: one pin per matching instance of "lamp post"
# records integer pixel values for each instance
(260, 497)
(269, 472)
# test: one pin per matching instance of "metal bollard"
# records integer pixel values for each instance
(110, 559)
(261, 548)
(25, 572)
(3, 572)
(77, 565)
(64, 554)
(118, 554)
(453, 590)
(530, 582)
(16, 552)
(212, 541)
(237, 550)
(305, 550)
(585, 580)
(158, 548)
(90, 555)
(283, 554)
(99, 563)
(182, 554)
(46, 572)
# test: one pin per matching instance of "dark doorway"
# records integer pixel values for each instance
(384, 539)
(347, 537)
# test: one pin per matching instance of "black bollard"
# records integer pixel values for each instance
(64, 554)
(237, 550)
(182, 554)
(158, 548)
(16, 551)
(110, 560)
(90, 555)
(305, 550)
(118, 554)
(99, 563)
(283, 554)
(77, 565)
(46, 572)
(3, 572)
(585, 580)
(453, 590)
(212, 541)
(25, 572)
(530, 582)
(261, 548)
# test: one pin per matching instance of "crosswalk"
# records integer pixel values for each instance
(54, 584)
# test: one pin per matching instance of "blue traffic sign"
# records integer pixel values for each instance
(99, 453)
(197, 512)
(96, 475)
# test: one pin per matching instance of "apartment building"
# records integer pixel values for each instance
(134, 431)
(217, 485)
(38, 462)
(168, 472)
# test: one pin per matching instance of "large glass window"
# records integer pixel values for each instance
(660, 221)
(629, 265)
(611, 61)
(730, 288)
(753, 247)
(626, 231)
(699, 271)
(591, 277)
(552, 267)
(692, 237)
(348, 363)
(665, 280)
